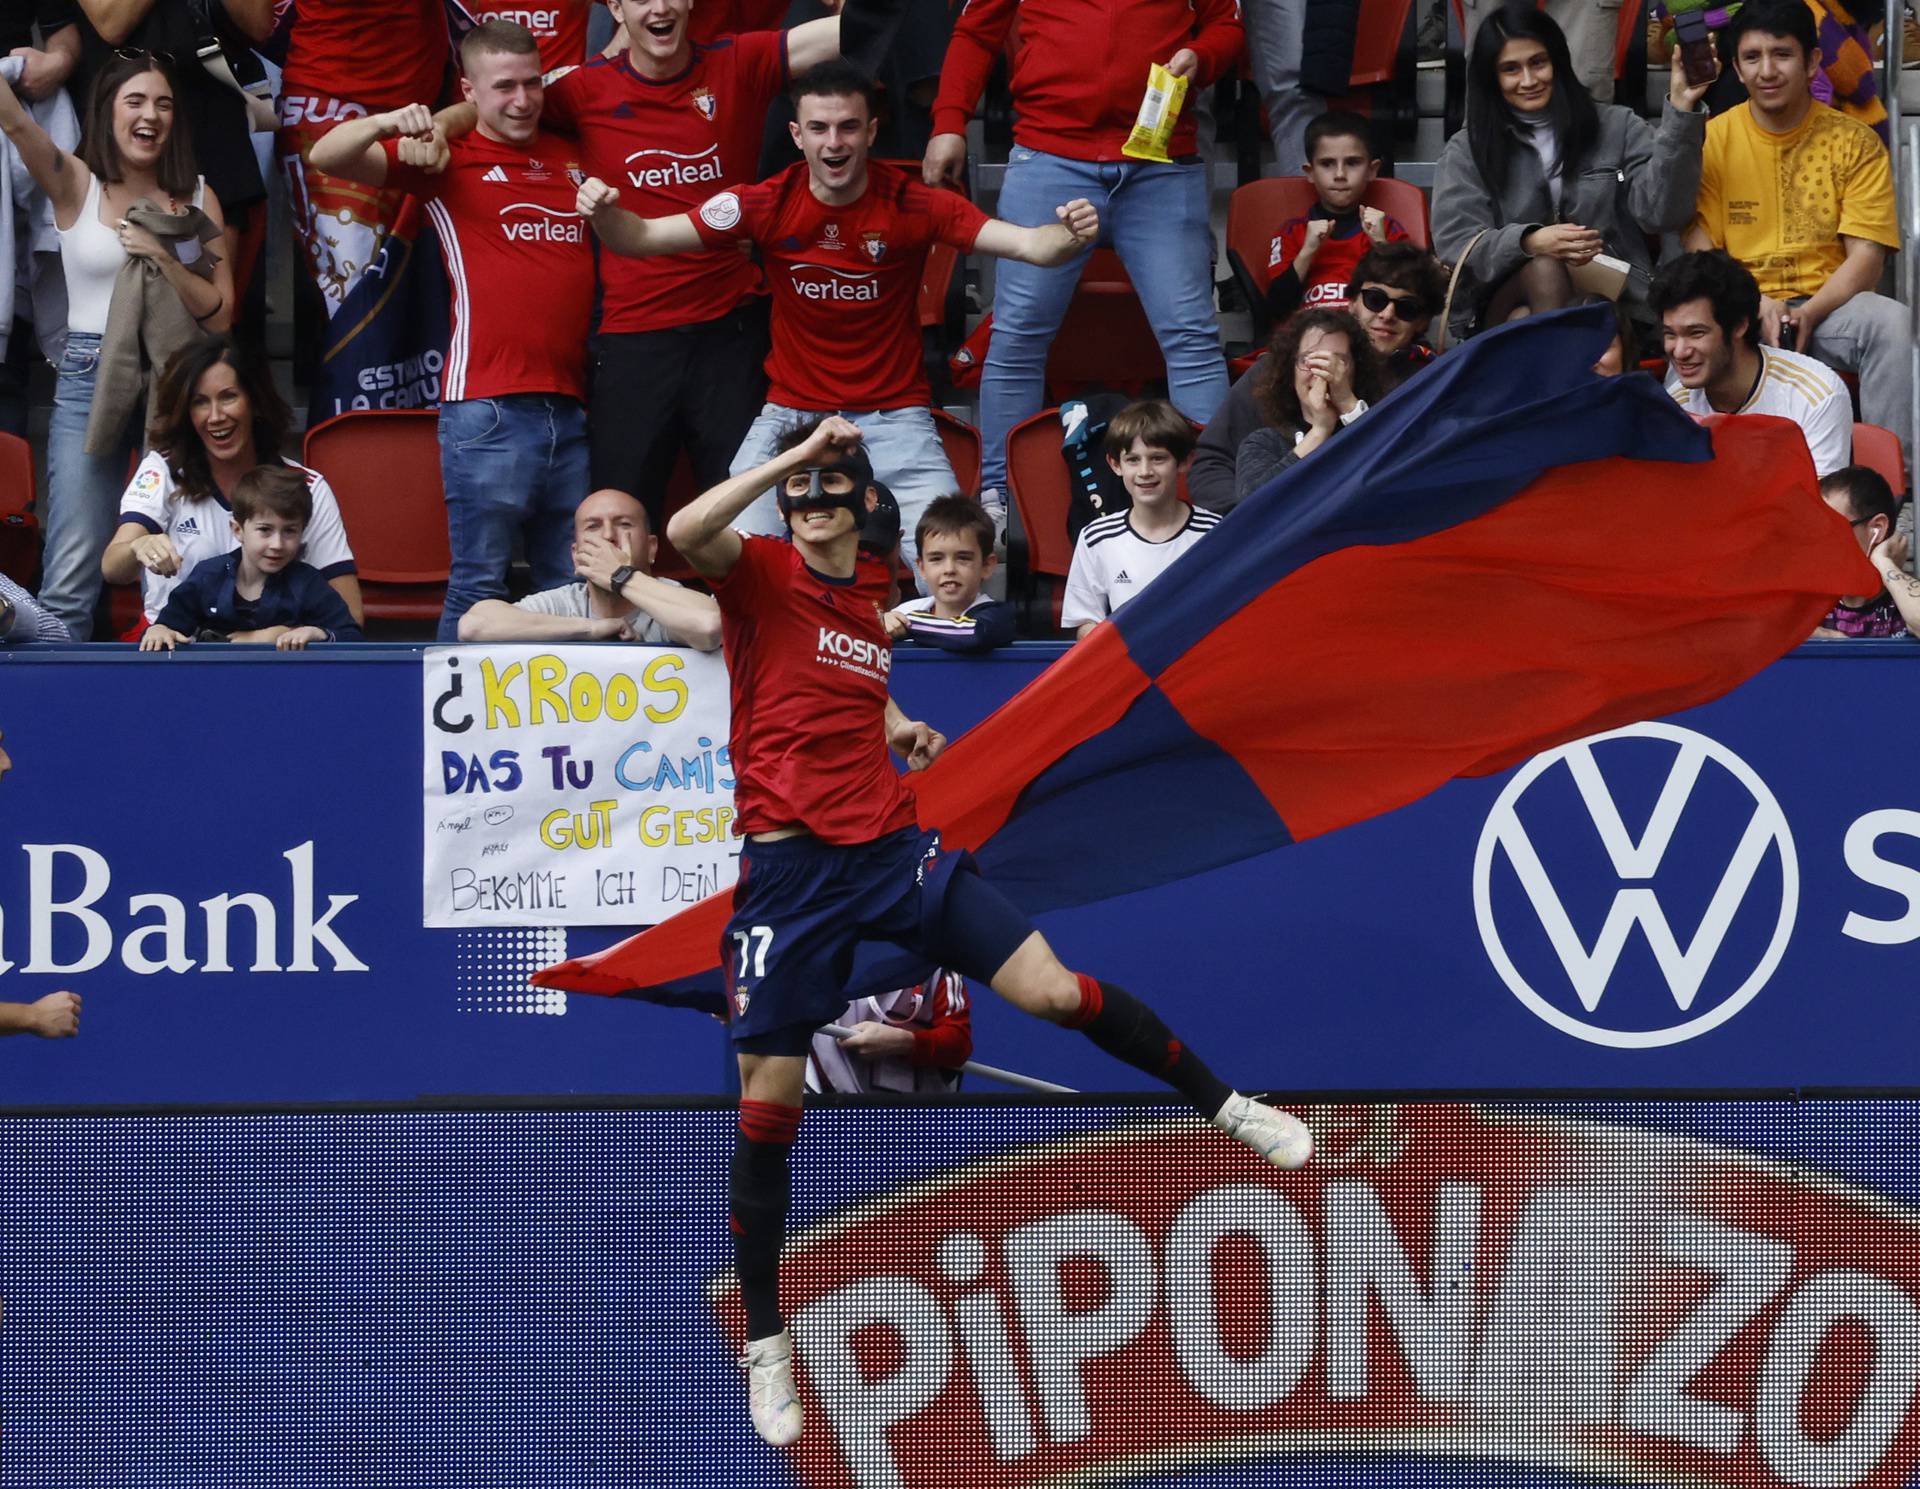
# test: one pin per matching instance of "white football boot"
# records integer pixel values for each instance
(1279, 1137)
(771, 1398)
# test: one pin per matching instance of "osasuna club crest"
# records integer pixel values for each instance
(875, 245)
(704, 101)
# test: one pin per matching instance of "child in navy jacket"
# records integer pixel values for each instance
(260, 591)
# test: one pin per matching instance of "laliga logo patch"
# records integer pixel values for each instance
(705, 102)
(875, 245)
(721, 212)
(148, 483)
(1569, 953)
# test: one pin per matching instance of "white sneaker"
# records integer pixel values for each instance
(1279, 1137)
(771, 1398)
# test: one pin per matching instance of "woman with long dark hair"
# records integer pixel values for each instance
(130, 156)
(217, 416)
(1542, 180)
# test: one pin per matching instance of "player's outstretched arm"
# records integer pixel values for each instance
(628, 234)
(352, 150)
(917, 743)
(702, 531)
(1075, 232)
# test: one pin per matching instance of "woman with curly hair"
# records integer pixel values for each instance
(1321, 373)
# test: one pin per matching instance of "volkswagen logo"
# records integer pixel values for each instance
(1724, 840)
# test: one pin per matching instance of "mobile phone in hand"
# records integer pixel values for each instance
(1697, 61)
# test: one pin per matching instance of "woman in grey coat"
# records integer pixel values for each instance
(1554, 179)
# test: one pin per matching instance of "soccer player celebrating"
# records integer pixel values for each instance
(845, 244)
(833, 856)
(513, 426)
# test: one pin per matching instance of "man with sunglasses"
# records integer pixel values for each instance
(834, 856)
(1395, 290)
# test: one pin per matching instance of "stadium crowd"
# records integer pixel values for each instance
(691, 244)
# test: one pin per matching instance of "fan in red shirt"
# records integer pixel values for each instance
(513, 424)
(677, 359)
(347, 59)
(845, 244)
(1080, 70)
(560, 26)
(834, 856)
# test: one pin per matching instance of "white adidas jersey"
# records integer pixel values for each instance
(1112, 563)
(203, 528)
(1794, 387)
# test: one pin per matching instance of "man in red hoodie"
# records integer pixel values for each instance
(1079, 72)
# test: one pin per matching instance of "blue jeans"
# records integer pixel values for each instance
(1156, 218)
(509, 464)
(84, 491)
(903, 445)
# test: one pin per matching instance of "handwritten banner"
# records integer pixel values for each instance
(574, 785)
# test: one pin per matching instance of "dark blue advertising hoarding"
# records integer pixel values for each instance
(223, 855)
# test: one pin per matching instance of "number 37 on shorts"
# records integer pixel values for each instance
(749, 962)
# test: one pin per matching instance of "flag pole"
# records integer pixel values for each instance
(991, 1072)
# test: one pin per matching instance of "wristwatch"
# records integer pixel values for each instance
(620, 577)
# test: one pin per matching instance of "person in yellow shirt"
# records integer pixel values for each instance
(1803, 196)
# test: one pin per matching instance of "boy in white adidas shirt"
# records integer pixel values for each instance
(1118, 556)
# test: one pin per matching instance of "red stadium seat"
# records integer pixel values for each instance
(19, 528)
(1105, 341)
(1376, 43)
(961, 441)
(1257, 211)
(1879, 449)
(1037, 478)
(384, 467)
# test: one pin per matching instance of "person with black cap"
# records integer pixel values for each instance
(835, 855)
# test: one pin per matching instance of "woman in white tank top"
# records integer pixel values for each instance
(129, 150)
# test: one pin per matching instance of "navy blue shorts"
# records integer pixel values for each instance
(802, 906)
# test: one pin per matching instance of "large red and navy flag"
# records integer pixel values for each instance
(1507, 553)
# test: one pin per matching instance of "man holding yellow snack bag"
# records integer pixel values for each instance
(1099, 87)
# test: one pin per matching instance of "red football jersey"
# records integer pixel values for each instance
(560, 26)
(713, 19)
(845, 281)
(808, 657)
(381, 56)
(519, 261)
(668, 146)
(1339, 255)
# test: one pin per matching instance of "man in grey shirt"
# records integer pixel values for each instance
(22, 619)
(616, 598)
